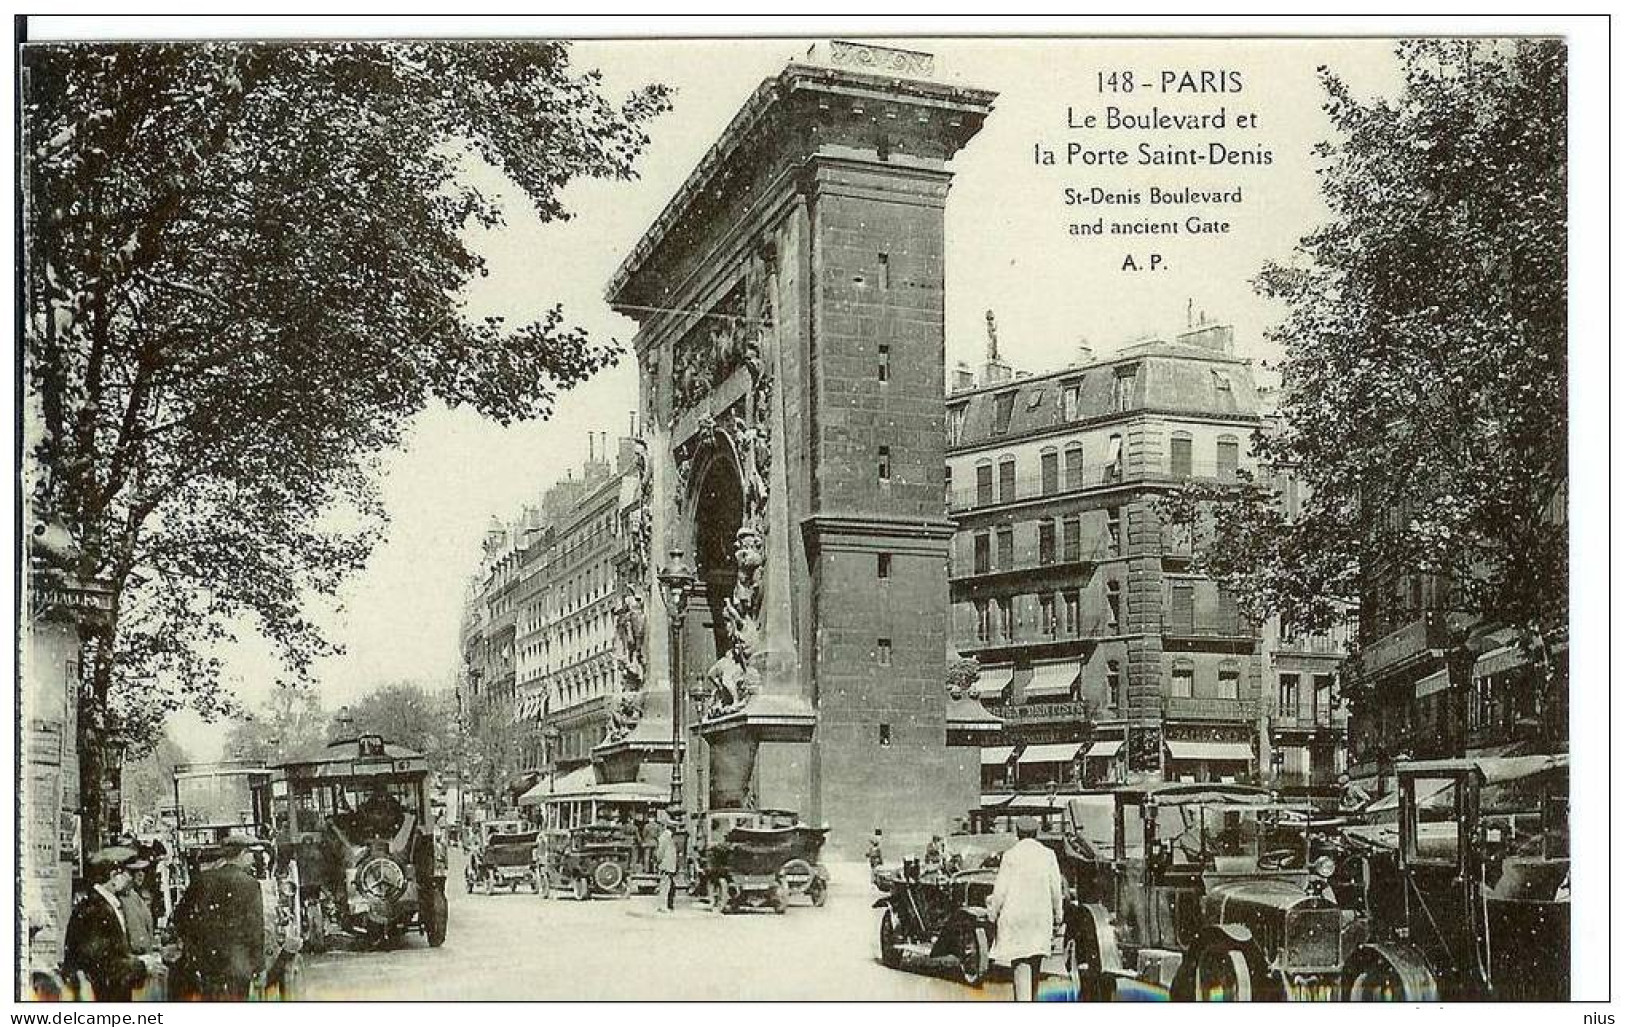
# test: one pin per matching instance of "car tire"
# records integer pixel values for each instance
(818, 891)
(1378, 984)
(971, 955)
(1223, 975)
(436, 918)
(582, 889)
(891, 947)
(779, 898)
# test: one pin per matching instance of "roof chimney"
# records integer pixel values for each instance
(1084, 354)
(964, 377)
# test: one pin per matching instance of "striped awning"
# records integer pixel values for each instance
(1497, 661)
(1052, 681)
(997, 755)
(1055, 752)
(1104, 750)
(992, 682)
(1231, 751)
(1438, 681)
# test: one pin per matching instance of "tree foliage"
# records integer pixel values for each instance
(243, 270)
(408, 714)
(290, 723)
(1424, 386)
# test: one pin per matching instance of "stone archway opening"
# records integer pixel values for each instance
(719, 510)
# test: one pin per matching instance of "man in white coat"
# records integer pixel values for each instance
(1027, 907)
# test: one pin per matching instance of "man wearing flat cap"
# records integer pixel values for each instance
(98, 945)
(220, 922)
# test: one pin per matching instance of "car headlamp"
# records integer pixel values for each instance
(1323, 866)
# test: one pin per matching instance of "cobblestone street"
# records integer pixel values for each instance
(521, 946)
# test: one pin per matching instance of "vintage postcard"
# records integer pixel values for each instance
(932, 517)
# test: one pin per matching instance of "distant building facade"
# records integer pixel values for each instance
(1106, 655)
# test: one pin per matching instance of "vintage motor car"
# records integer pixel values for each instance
(1208, 892)
(940, 915)
(353, 823)
(758, 859)
(594, 859)
(1468, 893)
(504, 856)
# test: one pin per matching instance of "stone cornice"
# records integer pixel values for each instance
(964, 106)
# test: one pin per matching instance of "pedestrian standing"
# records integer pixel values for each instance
(136, 903)
(1027, 907)
(651, 840)
(666, 863)
(97, 943)
(221, 925)
(875, 856)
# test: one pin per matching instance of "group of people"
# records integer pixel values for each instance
(219, 931)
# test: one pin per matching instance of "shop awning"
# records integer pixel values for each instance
(576, 781)
(996, 801)
(1435, 682)
(1051, 681)
(1497, 661)
(1055, 752)
(1104, 750)
(991, 683)
(997, 755)
(1215, 751)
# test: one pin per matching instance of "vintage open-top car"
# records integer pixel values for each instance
(1468, 892)
(1208, 892)
(594, 859)
(504, 856)
(759, 859)
(354, 824)
(940, 914)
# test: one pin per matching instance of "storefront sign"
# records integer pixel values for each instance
(1070, 711)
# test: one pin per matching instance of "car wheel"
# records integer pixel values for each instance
(1377, 985)
(971, 955)
(818, 891)
(1070, 968)
(891, 947)
(583, 889)
(779, 898)
(1222, 975)
(435, 918)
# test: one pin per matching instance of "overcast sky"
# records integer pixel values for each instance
(1007, 250)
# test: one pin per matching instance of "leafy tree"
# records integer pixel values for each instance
(292, 722)
(962, 674)
(1423, 404)
(148, 783)
(242, 268)
(407, 714)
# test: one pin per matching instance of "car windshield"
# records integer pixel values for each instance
(975, 851)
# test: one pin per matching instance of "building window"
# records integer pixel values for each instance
(883, 365)
(1114, 458)
(1114, 606)
(983, 560)
(1007, 479)
(1179, 455)
(1323, 699)
(1229, 458)
(984, 621)
(1072, 539)
(1222, 391)
(1229, 683)
(1123, 388)
(885, 463)
(1004, 404)
(1074, 466)
(1073, 605)
(1114, 531)
(956, 424)
(1007, 619)
(1229, 614)
(1046, 613)
(1071, 392)
(947, 485)
(1183, 684)
(883, 651)
(1114, 685)
(883, 566)
(984, 484)
(1183, 609)
(1286, 700)
(1046, 542)
(1049, 472)
(885, 273)
(885, 735)
(1007, 547)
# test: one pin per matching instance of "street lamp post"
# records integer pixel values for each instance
(676, 581)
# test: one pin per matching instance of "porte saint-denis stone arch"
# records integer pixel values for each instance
(790, 350)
